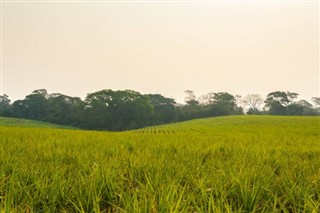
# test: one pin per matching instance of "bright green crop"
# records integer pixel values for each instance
(225, 164)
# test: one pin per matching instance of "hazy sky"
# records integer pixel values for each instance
(76, 48)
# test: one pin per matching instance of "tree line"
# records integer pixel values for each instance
(127, 109)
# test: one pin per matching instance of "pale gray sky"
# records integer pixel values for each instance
(76, 48)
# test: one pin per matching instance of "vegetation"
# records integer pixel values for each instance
(128, 109)
(225, 164)
(18, 122)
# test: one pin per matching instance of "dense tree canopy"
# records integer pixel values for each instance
(117, 110)
(5, 105)
(164, 108)
(283, 103)
(224, 103)
(34, 106)
(128, 109)
(63, 109)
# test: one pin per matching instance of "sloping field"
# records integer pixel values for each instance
(29, 123)
(225, 164)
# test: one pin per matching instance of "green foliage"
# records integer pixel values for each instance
(226, 164)
(164, 109)
(102, 110)
(223, 103)
(18, 122)
(282, 103)
(127, 109)
(64, 109)
(34, 106)
(191, 98)
(5, 106)
(276, 103)
(213, 104)
(119, 110)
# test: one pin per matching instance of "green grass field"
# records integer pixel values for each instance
(19, 122)
(224, 164)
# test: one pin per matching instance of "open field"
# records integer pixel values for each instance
(225, 164)
(19, 122)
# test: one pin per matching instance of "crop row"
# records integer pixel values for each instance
(248, 164)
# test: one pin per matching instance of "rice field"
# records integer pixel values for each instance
(224, 164)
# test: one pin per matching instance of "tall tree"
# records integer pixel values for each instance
(224, 103)
(191, 98)
(5, 105)
(96, 113)
(64, 109)
(117, 110)
(34, 106)
(253, 103)
(206, 99)
(316, 101)
(277, 102)
(191, 109)
(164, 108)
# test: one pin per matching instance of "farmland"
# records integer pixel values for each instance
(18, 122)
(224, 164)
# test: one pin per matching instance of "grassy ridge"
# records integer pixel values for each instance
(19, 122)
(226, 164)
